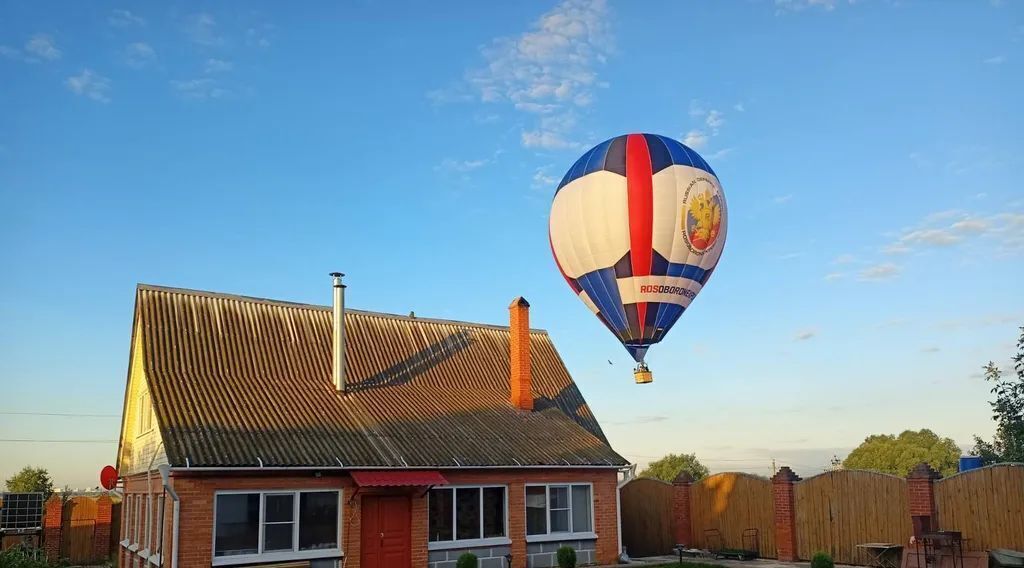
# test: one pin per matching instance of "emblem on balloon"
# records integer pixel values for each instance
(637, 227)
(701, 215)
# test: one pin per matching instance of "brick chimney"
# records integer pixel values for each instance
(520, 379)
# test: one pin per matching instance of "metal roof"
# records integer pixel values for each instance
(243, 382)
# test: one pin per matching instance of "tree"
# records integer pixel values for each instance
(1008, 412)
(31, 480)
(899, 454)
(668, 467)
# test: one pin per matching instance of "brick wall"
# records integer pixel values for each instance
(785, 514)
(197, 501)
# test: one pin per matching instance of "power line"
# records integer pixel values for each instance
(69, 414)
(58, 441)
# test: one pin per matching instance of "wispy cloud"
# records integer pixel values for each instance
(996, 60)
(879, 272)
(40, 47)
(543, 180)
(124, 18)
(780, 199)
(695, 139)
(931, 349)
(461, 166)
(738, 107)
(199, 89)
(259, 36)
(805, 334)
(641, 420)
(139, 54)
(213, 65)
(90, 85)
(844, 259)
(201, 28)
(833, 276)
(782, 6)
(953, 228)
(550, 69)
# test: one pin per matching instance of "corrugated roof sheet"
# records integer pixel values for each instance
(239, 381)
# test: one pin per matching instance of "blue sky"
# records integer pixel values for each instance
(870, 153)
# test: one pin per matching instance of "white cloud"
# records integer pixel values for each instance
(714, 120)
(461, 166)
(546, 140)
(780, 199)
(543, 180)
(259, 36)
(738, 107)
(832, 276)
(805, 334)
(695, 139)
(697, 109)
(43, 47)
(139, 54)
(124, 18)
(89, 84)
(844, 259)
(551, 68)
(996, 60)
(213, 65)
(201, 28)
(199, 89)
(884, 271)
(955, 228)
(800, 5)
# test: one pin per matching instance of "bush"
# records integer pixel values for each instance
(566, 557)
(822, 560)
(19, 557)
(467, 560)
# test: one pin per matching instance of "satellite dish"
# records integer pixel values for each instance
(108, 477)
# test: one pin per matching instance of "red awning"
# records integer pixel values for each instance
(398, 478)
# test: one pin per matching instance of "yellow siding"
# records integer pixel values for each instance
(140, 436)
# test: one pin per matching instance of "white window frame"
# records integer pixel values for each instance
(555, 536)
(154, 558)
(469, 542)
(126, 522)
(277, 556)
(136, 513)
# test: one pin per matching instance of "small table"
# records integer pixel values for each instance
(883, 554)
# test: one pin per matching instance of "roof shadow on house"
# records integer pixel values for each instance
(570, 401)
(411, 367)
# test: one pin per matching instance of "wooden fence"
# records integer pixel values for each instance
(837, 510)
(986, 505)
(78, 527)
(732, 503)
(646, 508)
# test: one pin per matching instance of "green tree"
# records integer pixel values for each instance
(31, 480)
(1008, 412)
(668, 467)
(899, 454)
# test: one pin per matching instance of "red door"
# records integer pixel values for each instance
(386, 532)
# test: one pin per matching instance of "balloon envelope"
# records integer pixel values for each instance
(637, 227)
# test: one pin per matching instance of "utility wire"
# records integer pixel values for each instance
(71, 414)
(58, 441)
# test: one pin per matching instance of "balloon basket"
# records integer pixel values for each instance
(642, 374)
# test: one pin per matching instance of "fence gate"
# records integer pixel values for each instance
(646, 508)
(78, 530)
(837, 510)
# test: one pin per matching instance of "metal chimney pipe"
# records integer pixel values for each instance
(338, 335)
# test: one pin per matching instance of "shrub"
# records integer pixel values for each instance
(19, 557)
(822, 560)
(467, 560)
(566, 557)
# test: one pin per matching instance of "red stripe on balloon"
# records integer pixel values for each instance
(640, 193)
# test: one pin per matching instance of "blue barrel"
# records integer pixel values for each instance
(967, 463)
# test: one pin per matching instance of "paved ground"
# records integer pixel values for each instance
(759, 563)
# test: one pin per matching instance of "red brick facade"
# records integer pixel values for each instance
(196, 492)
(921, 498)
(52, 520)
(785, 514)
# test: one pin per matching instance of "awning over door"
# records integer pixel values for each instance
(398, 478)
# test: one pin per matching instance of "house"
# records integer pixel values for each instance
(261, 432)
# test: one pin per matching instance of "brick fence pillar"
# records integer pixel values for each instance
(101, 533)
(681, 512)
(921, 498)
(785, 513)
(53, 518)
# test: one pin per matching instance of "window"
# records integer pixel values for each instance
(126, 523)
(145, 414)
(467, 513)
(278, 524)
(138, 519)
(557, 509)
(158, 545)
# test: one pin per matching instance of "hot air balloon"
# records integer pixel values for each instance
(637, 226)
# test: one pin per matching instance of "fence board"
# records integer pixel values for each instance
(986, 505)
(732, 503)
(646, 508)
(836, 511)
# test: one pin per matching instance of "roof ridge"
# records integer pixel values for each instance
(302, 305)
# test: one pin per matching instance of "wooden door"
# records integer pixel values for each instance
(78, 530)
(386, 532)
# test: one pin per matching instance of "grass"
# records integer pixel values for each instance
(685, 564)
